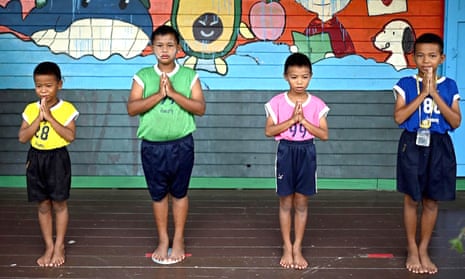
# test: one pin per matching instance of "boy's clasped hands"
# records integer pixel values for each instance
(298, 115)
(165, 85)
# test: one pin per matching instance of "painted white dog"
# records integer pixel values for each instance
(396, 37)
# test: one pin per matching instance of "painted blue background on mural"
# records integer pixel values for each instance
(263, 71)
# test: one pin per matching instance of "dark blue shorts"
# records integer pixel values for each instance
(426, 172)
(168, 166)
(48, 174)
(296, 168)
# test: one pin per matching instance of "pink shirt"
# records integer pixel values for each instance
(280, 108)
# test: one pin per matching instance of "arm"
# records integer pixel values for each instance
(68, 132)
(26, 131)
(402, 111)
(137, 104)
(451, 114)
(195, 104)
(320, 132)
(272, 129)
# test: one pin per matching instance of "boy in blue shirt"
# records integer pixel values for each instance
(427, 108)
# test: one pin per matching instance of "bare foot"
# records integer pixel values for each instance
(58, 258)
(427, 265)
(299, 261)
(161, 253)
(287, 260)
(45, 259)
(177, 252)
(413, 263)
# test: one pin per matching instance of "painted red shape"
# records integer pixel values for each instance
(267, 20)
(387, 2)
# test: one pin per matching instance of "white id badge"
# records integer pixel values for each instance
(423, 137)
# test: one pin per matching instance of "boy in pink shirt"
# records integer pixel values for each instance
(295, 118)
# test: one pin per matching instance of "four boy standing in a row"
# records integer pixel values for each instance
(167, 97)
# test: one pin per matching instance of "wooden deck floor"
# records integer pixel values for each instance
(230, 234)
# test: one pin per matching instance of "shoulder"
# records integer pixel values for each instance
(317, 99)
(407, 80)
(447, 81)
(145, 71)
(186, 71)
(66, 105)
(281, 97)
(32, 107)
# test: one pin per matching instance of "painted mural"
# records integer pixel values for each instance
(233, 44)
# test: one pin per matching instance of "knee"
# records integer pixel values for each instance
(430, 205)
(285, 203)
(45, 207)
(301, 204)
(59, 207)
(409, 202)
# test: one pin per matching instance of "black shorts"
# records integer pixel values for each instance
(426, 172)
(48, 174)
(296, 168)
(168, 166)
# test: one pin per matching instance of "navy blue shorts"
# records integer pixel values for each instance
(426, 172)
(168, 166)
(296, 168)
(48, 174)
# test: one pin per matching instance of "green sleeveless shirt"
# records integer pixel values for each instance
(167, 120)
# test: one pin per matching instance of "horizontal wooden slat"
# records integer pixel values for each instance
(230, 138)
(227, 146)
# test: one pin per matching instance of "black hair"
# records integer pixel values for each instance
(430, 38)
(297, 59)
(165, 30)
(48, 68)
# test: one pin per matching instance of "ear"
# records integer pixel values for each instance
(443, 58)
(60, 84)
(408, 40)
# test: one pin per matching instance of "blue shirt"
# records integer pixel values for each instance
(409, 87)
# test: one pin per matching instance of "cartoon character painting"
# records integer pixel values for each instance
(325, 36)
(209, 31)
(397, 37)
(99, 28)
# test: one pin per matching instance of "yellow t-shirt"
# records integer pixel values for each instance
(46, 138)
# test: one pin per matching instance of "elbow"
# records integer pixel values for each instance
(398, 120)
(22, 140)
(456, 124)
(201, 110)
(324, 137)
(131, 111)
(268, 133)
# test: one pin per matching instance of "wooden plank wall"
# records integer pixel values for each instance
(230, 139)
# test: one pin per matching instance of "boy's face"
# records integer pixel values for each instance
(427, 56)
(47, 86)
(165, 48)
(298, 78)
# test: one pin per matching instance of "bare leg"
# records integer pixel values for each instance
(428, 221)
(61, 223)
(300, 222)
(160, 212)
(180, 211)
(44, 212)
(412, 263)
(285, 208)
